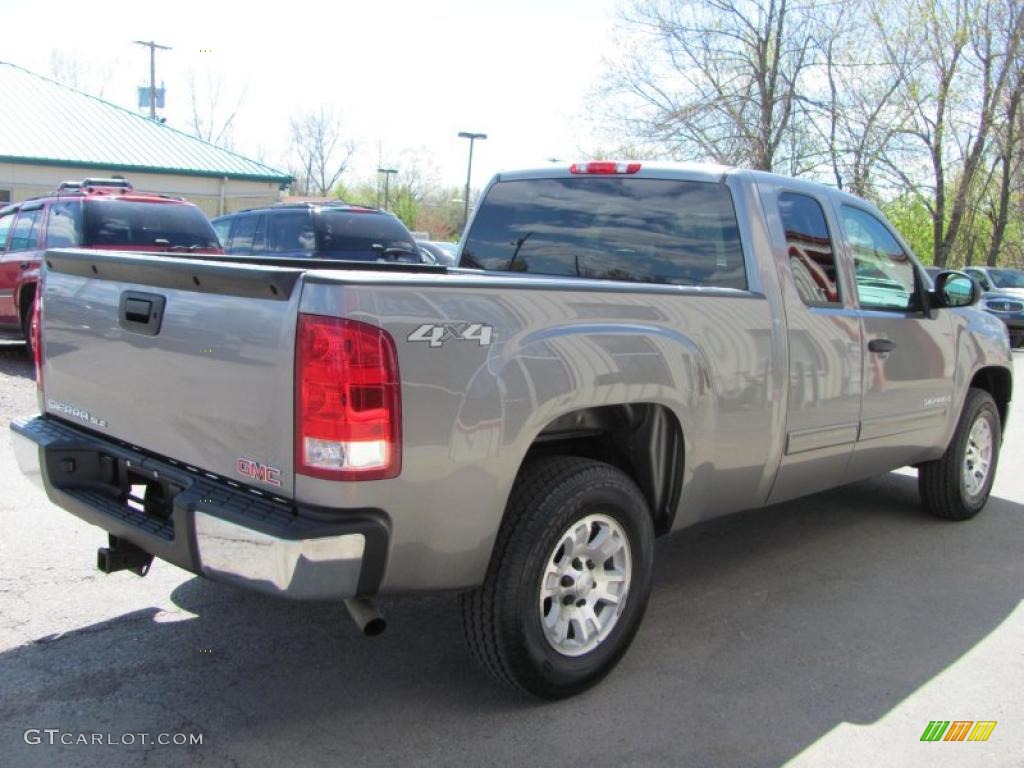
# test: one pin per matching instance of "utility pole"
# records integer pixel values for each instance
(152, 72)
(469, 170)
(388, 173)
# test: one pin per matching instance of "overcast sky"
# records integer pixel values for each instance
(405, 76)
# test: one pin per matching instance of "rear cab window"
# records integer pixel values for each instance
(663, 231)
(136, 223)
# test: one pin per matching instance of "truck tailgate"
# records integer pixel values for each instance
(190, 360)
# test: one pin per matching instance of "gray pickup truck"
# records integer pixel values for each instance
(624, 351)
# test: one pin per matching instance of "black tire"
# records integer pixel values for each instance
(26, 325)
(941, 482)
(502, 618)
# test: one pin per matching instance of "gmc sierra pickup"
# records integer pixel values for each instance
(624, 351)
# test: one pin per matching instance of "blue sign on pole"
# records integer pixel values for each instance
(144, 97)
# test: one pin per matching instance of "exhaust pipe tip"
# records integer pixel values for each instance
(366, 615)
(375, 627)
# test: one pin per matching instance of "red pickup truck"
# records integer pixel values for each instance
(93, 213)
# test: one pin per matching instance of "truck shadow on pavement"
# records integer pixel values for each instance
(765, 630)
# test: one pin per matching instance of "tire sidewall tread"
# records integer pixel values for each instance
(502, 617)
(941, 481)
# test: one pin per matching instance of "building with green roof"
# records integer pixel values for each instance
(51, 133)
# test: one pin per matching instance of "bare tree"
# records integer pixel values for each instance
(965, 51)
(717, 79)
(1009, 156)
(213, 115)
(322, 152)
(72, 68)
(863, 110)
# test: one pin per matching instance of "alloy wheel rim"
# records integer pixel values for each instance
(585, 584)
(978, 456)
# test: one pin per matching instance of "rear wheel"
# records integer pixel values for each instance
(568, 581)
(956, 486)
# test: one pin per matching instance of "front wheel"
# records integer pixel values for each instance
(957, 485)
(568, 581)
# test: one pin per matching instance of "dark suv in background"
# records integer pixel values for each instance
(317, 230)
(93, 213)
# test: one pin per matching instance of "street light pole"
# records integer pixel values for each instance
(388, 172)
(152, 72)
(469, 170)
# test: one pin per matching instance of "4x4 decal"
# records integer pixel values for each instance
(436, 334)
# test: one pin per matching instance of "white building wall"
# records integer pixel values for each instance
(210, 194)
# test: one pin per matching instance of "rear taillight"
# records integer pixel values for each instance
(348, 402)
(603, 167)
(35, 333)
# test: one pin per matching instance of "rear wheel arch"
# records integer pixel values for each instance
(644, 440)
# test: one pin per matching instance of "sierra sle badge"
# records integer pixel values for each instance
(67, 409)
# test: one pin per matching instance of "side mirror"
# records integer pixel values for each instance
(954, 289)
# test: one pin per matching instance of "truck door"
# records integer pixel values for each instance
(825, 345)
(908, 356)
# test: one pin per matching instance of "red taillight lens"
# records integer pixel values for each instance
(35, 332)
(603, 167)
(348, 401)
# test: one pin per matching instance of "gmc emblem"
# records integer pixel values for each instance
(257, 471)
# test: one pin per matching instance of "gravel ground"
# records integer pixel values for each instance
(825, 631)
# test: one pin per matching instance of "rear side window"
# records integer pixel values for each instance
(116, 222)
(290, 233)
(637, 230)
(25, 233)
(811, 257)
(363, 236)
(5, 228)
(63, 225)
(242, 234)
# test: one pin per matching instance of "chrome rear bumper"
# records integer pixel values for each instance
(208, 526)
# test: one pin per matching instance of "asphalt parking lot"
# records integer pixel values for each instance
(825, 631)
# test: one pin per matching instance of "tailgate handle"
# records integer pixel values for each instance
(141, 312)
